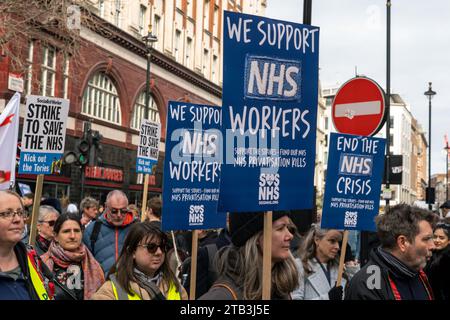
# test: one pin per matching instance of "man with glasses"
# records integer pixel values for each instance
(46, 220)
(105, 237)
(21, 272)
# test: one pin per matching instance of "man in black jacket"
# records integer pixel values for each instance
(395, 269)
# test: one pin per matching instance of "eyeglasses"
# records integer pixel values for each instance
(117, 211)
(153, 247)
(50, 223)
(11, 213)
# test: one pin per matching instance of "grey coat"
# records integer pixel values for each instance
(316, 285)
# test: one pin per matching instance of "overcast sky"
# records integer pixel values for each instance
(353, 33)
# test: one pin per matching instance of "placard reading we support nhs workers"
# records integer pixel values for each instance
(270, 88)
(192, 168)
(353, 182)
(43, 134)
(148, 149)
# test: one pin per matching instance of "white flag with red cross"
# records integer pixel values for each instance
(9, 129)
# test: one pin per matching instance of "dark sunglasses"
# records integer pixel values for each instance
(153, 247)
(117, 211)
(50, 223)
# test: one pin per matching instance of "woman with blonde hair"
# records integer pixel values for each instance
(318, 266)
(142, 271)
(240, 265)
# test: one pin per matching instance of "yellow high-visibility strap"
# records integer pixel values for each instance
(37, 282)
(130, 297)
(173, 294)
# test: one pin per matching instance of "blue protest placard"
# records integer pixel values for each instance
(148, 148)
(353, 182)
(43, 134)
(270, 88)
(192, 168)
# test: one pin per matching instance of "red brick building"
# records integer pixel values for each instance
(105, 84)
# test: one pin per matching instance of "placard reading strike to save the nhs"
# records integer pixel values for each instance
(148, 149)
(353, 182)
(270, 87)
(43, 134)
(192, 168)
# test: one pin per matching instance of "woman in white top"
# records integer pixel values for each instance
(318, 266)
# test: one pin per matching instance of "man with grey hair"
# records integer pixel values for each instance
(395, 269)
(105, 237)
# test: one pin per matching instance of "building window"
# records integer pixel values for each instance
(142, 14)
(65, 88)
(188, 52)
(215, 69)
(177, 45)
(48, 72)
(155, 31)
(391, 140)
(118, 13)
(206, 15)
(326, 123)
(29, 74)
(216, 22)
(190, 8)
(391, 122)
(101, 8)
(205, 62)
(100, 99)
(139, 111)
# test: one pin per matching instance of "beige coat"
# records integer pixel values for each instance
(106, 291)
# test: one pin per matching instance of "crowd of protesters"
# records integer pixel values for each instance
(86, 252)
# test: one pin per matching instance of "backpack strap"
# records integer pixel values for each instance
(223, 285)
(95, 233)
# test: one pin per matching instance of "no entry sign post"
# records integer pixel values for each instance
(358, 107)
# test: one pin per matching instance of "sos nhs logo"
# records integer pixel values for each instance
(196, 215)
(269, 188)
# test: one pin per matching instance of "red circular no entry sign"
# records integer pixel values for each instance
(358, 107)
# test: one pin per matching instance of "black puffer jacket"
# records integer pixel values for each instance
(438, 272)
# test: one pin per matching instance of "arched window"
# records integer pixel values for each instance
(100, 99)
(139, 111)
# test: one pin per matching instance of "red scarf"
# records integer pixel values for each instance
(92, 271)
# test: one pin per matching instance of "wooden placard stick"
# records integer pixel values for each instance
(144, 198)
(193, 282)
(342, 258)
(267, 256)
(35, 212)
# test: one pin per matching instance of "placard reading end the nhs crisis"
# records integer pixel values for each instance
(192, 168)
(270, 88)
(353, 182)
(43, 134)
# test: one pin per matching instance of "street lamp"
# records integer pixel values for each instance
(447, 150)
(149, 39)
(430, 194)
